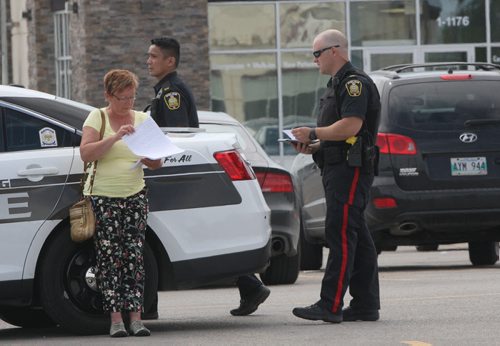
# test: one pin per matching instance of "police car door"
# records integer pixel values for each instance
(35, 158)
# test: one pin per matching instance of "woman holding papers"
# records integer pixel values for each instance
(120, 203)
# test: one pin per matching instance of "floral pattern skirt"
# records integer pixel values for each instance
(119, 242)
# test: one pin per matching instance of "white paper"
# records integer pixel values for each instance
(149, 141)
(290, 135)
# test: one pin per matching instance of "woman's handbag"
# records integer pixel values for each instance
(81, 214)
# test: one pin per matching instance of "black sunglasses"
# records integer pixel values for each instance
(317, 53)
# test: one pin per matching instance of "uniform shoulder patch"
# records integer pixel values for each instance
(354, 87)
(172, 100)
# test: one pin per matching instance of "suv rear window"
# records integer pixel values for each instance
(444, 105)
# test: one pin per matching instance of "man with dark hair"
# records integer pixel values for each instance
(173, 105)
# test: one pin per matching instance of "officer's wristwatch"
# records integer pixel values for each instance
(312, 134)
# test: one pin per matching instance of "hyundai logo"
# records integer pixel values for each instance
(468, 137)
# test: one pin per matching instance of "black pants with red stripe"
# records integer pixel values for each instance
(352, 261)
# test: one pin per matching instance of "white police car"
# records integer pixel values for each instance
(208, 219)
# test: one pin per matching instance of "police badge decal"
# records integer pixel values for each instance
(354, 87)
(172, 100)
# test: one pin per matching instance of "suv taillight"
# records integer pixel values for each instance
(390, 143)
(234, 165)
(274, 182)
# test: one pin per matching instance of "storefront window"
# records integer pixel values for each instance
(379, 61)
(245, 85)
(495, 20)
(301, 22)
(453, 21)
(242, 26)
(302, 85)
(495, 55)
(383, 23)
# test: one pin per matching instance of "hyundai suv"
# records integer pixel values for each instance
(439, 169)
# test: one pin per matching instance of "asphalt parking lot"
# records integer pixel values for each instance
(428, 298)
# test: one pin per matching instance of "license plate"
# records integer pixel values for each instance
(468, 166)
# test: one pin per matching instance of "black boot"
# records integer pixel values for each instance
(250, 303)
(316, 312)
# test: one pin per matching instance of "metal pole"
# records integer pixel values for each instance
(3, 38)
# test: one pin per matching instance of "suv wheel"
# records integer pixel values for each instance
(67, 286)
(282, 270)
(311, 255)
(483, 252)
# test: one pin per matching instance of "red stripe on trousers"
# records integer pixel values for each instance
(345, 221)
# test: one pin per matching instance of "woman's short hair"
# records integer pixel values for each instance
(118, 80)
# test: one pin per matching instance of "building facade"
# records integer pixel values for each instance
(251, 59)
(260, 51)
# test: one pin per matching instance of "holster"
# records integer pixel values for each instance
(370, 159)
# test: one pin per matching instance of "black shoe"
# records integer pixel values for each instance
(316, 313)
(251, 303)
(350, 314)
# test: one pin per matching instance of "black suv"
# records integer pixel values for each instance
(439, 170)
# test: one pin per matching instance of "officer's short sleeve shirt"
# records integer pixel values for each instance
(353, 97)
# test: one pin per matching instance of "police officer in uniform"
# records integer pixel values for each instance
(347, 128)
(173, 105)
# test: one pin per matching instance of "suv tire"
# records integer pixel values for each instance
(311, 255)
(69, 296)
(483, 252)
(282, 270)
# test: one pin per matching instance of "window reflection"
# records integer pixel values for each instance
(302, 85)
(379, 61)
(495, 55)
(242, 26)
(495, 20)
(453, 21)
(301, 22)
(383, 23)
(245, 85)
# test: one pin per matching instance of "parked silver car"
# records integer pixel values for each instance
(278, 190)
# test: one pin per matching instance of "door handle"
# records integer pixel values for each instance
(40, 171)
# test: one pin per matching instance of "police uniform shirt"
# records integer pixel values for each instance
(357, 96)
(175, 105)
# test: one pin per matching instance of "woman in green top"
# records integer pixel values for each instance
(119, 201)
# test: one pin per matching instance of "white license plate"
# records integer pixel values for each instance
(469, 166)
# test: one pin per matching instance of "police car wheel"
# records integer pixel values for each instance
(67, 286)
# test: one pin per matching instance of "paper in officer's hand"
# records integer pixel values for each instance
(148, 140)
(289, 137)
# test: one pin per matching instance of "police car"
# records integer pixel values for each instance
(208, 219)
(439, 170)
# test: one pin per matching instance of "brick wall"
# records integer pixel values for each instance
(41, 46)
(116, 34)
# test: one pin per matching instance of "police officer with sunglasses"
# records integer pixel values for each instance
(343, 147)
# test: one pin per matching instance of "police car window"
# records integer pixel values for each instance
(444, 105)
(25, 132)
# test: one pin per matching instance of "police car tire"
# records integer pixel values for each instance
(58, 302)
(283, 270)
(26, 317)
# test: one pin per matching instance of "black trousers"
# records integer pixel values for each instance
(352, 260)
(247, 284)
